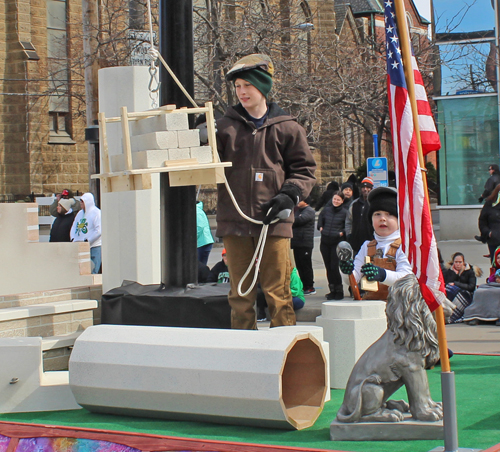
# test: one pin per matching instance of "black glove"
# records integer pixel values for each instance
(373, 273)
(282, 204)
(346, 267)
(480, 199)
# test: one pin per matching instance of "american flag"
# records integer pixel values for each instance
(415, 222)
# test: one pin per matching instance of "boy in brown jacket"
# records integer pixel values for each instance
(272, 170)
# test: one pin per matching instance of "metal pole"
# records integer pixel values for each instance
(179, 261)
(450, 413)
(404, 41)
(375, 145)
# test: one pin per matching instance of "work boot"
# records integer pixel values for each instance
(331, 294)
(338, 293)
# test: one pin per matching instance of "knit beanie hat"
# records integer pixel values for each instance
(383, 198)
(345, 185)
(66, 204)
(258, 78)
(257, 69)
(367, 182)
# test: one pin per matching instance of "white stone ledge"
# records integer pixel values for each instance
(64, 340)
(58, 307)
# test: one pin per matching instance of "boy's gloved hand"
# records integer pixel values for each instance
(346, 267)
(282, 204)
(373, 273)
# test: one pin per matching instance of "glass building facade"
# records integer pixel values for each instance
(468, 127)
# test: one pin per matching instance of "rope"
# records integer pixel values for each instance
(259, 250)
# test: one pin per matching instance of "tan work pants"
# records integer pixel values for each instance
(274, 278)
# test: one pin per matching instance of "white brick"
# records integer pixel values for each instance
(140, 160)
(154, 141)
(169, 121)
(188, 138)
(202, 153)
(179, 154)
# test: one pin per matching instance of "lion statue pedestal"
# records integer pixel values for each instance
(399, 358)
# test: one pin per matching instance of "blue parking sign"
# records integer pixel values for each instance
(377, 170)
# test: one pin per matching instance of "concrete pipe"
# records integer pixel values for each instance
(260, 378)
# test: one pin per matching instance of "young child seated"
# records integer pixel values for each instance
(388, 262)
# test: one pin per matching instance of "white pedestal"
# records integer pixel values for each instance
(262, 378)
(350, 327)
(130, 219)
(24, 386)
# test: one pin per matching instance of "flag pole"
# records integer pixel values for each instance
(447, 377)
(404, 42)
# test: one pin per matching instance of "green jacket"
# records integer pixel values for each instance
(202, 226)
(296, 285)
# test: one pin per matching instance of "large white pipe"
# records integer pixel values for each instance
(261, 378)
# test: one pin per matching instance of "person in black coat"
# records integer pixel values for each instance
(359, 227)
(489, 221)
(331, 223)
(326, 197)
(302, 244)
(492, 182)
(460, 279)
(60, 231)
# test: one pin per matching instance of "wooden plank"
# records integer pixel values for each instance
(104, 151)
(162, 170)
(207, 176)
(150, 113)
(180, 162)
(127, 149)
(168, 107)
(212, 139)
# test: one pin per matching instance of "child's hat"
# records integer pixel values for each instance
(497, 273)
(383, 198)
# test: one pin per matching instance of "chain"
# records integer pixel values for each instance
(153, 91)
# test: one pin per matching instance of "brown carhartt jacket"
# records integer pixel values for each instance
(263, 160)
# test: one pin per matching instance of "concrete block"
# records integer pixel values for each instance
(350, 330)
(53, 265)
(24, 387)
(407, 430)
(124, 86)
(188, 138)
(202, 153)
(155, 140)
(168, 121)
(262, 378)
(179, 154)
(131, 228)
(353, 310)
(142, 159)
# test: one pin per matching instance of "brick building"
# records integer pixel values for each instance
(43, 114)
(42, 148)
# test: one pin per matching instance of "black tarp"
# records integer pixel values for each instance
(196, 306)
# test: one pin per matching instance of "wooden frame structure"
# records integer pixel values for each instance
(182, 172)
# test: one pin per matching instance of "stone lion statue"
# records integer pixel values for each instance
(400, 357)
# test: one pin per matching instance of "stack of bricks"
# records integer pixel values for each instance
(162, 138)
(50, 325)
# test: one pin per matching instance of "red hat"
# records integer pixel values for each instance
(224, 251)
(65, 192)
(367, 181)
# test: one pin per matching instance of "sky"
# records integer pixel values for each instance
(452, 15)
(460, 16)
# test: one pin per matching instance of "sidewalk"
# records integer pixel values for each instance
(461, 337)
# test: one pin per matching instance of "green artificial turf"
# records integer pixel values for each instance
(478, 411)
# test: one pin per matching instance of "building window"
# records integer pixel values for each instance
(57, 52)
